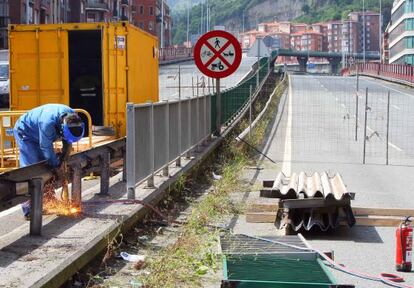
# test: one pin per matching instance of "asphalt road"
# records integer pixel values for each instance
(169, 80)
(316, 132)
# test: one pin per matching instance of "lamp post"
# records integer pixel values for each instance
(380, 30)
(188, 19)
(363, 28)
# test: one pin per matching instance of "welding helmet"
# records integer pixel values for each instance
(72, 128)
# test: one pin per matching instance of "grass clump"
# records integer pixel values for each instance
(193, 255)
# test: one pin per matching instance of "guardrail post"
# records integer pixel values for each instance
(205, 120)
(124, 166)
(188, 154)
(197, 149)
(36, 195)
(165, 171)
(105, 160)
(356, 115)
(77, 185)
(150, 181)
(178, 161)
(129, 157)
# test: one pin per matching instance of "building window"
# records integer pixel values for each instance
(151, 11)
(141, 25)
(150, 25)
(141, 10)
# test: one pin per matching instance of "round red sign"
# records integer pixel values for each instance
(217, 54)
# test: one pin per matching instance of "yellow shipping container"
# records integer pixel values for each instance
(98, 67)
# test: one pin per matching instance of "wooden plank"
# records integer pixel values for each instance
(378, 221)
(263, 207)
(383, 211)
(260, 217)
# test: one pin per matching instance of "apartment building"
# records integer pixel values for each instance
(368, 32)
(401, 33)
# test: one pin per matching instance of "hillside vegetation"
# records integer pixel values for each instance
(230, 13)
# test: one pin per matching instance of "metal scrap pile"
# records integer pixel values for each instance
(310, 201)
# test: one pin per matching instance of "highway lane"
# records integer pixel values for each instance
(317, 133)
(168, 79)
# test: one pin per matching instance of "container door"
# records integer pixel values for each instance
(38, 66)
(85, 73)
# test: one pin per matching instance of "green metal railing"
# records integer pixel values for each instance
(234, 98)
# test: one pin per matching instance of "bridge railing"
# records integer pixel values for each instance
(392, 71)
(175, 53)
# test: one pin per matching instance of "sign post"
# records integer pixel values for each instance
(217, 54)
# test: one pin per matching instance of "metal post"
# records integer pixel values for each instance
(188, 154)
(205, 119)
(388, 129)
(365, 125)
(357, 77)
(192, 86)
(250, 114)
(165, 171)
(124, 166)
(218, 108)
(129, 157)
(258, 65)
(77, 185)
(105, 172)
(197, 149)
(36, 195)
(356, 116)
(150, 181)
(178, 161)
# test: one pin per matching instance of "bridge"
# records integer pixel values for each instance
(334, 58)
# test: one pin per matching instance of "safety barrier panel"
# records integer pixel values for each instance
(393, 71)
(234, 98)
(9, 152)
(160, 133)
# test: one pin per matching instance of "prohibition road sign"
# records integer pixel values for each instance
(217, 54)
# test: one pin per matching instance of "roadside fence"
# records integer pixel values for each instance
(393, 71)
(161, 133)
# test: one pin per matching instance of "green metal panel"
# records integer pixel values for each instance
(233, 99)
(272, 268)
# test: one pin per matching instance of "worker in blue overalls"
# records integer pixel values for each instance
(36, 131)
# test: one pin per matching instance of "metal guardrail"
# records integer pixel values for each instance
(8, 148)
(393, 71)
(160, 133)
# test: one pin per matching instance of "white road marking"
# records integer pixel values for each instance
(395, 107)
(382, 100)
(287, 156)
(343, 106)
(389, 143)
(389, 88)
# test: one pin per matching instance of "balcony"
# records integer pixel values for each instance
(96, 5)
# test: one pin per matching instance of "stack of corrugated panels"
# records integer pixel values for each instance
(311, 201)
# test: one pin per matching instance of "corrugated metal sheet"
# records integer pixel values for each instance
(325, 218)
(311, 201)
(300, 185)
